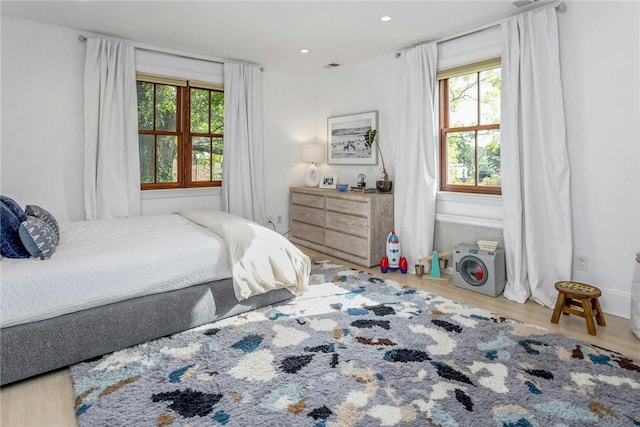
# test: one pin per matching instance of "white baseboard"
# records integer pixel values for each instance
(615, 302)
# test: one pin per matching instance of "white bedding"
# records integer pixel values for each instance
(106, 261)
(260, 259)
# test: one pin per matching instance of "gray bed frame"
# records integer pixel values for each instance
(34, 348)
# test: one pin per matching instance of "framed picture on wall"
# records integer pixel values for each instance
(328, 181)
(346, 143)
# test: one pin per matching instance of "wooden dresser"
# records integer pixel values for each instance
(351, 226)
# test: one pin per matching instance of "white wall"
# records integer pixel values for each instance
(288, 122)
(42, 117)
(600, 58)
(371, 86)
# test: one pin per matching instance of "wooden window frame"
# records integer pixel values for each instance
(443, 87)
(155, 133)
(188, 135)
(183, 132)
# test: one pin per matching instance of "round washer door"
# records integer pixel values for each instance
(473, 270)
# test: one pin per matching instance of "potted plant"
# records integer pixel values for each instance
(383, 185)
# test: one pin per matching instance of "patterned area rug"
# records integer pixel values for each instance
(359, 351)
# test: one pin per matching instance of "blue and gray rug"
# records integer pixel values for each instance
(359, 351)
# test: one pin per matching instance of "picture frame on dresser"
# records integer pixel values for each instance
(328, 181)
(346, 142)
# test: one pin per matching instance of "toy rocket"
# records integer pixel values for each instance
(393, 259)
(394, 250)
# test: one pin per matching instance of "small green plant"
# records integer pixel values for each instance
(370, 139)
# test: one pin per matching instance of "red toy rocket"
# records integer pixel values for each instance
(394, 259)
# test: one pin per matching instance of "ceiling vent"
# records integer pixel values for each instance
(523, 3)
(332, 65)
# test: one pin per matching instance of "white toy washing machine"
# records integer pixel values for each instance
(478, 270)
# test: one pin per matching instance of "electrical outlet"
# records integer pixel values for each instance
(279, 219)
(582, 262)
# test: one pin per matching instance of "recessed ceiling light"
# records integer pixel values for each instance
(304, 50)
(385, 18)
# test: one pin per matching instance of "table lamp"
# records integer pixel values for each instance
(312, 154)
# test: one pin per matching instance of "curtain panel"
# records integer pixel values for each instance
(416, 160)
(243, 172)
(535, 165)
(111, 157)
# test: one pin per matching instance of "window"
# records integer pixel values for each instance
(470, 128)
(180, 133)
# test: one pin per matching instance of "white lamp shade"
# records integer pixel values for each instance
(312, 153)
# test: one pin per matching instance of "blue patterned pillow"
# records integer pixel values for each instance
(38, 237)
(43, 214)
(13, 207)
(10, 244)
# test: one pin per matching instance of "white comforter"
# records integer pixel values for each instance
(106, 261)
(261, 260)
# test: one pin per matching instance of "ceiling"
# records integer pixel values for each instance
(270, 33)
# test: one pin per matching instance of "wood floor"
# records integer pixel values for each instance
(47, 400)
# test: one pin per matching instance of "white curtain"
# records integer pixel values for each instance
(535, 165)
(111, 157)
(416, 159)
(243, 169)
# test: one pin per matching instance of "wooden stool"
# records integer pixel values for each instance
(587, 304)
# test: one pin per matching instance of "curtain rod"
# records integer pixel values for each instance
(83, 38)
(560, 7)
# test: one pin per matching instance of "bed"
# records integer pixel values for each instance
(111, 284)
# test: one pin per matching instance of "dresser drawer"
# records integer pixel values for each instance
(349, 224)
(309, 215)
(307, 200)
(348, 206)
(350, 244)
(307, 232)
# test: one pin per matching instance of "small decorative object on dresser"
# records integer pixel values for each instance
(328, 181)
(362, 180)
(351, 226)
(312, 154)
(383, 184)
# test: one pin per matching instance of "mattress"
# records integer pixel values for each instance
(107, 261)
